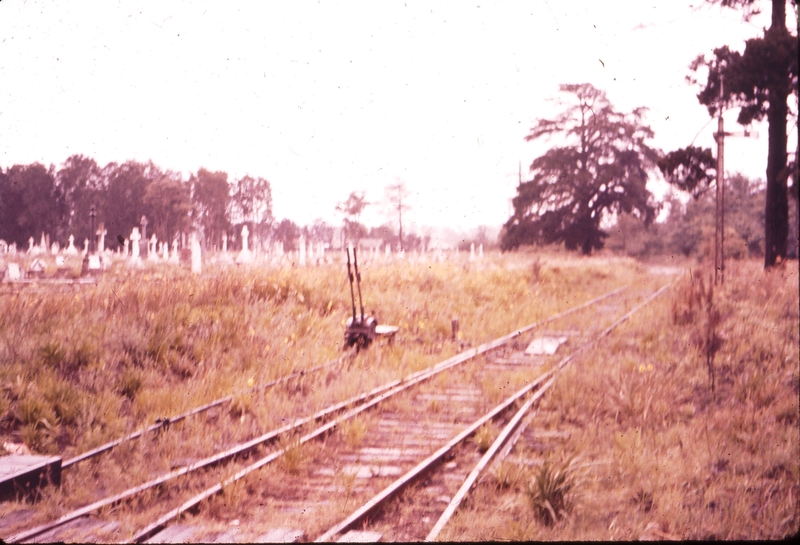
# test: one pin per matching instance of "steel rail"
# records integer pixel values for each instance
(389, 390)
(511, 427)
(486, 459)
(426, 464)
(274, 434)
(164, 422)
(196, 500)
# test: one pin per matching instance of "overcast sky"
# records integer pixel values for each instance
(323, 97)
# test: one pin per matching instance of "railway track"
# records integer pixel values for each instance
(359, 446)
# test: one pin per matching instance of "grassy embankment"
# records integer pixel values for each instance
(654, 451)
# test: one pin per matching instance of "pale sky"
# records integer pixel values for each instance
(323, 98)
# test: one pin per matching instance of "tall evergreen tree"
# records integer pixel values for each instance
(760, 81)
(601, 168)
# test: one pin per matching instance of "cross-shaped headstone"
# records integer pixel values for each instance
(101, 242)
(135, 238)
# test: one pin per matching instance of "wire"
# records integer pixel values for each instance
(701, 130)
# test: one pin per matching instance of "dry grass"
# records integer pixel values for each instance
(82, 365)
(678, 443)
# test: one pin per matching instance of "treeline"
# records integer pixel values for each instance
(689, 229)
(36, 200)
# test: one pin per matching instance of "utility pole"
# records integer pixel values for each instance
(396, 199)
(719, 231)
(719, 216)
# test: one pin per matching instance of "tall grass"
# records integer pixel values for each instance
(81, 365)
(683, 438)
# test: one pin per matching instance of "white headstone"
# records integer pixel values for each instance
(174, 257)
(152, 254)
(43, 245)
(55, 247)
(135, 238)
(245, 234)
(12, 272)
(101, 241)
(127, 243)
(197, 263)
(164, 251)
(85, 246)
(94, 262)
(301, 260)
(472, 251)
(244, 256)
(480, 251)
(71, 249)
(30, 245)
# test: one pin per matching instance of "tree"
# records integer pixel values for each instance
(602, 168)
(385, 233)
(397, 196)
(689, 169)
(211, 196)
(30, 203)
(688, 228)
(81, 185)
(321, 232)
(124, 203)
(287, 232)
(352, 209)
(253, 201)
(760, 81)
(168, 204)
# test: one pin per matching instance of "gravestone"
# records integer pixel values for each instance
(30, 245)
(197, 263)
(472, 252)
(174, 257)
(101, 238)
(244, 256)
(12, 273)
(94, 263)
(480, 252)
(165, 251)
(135, 238)
(143, 223)
(71, 249)
(152, 254)
(36, 270)
(301, 259)
(126, 244)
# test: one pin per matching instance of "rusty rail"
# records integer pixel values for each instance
(164, 422)
(513, 424)
(368, 399)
